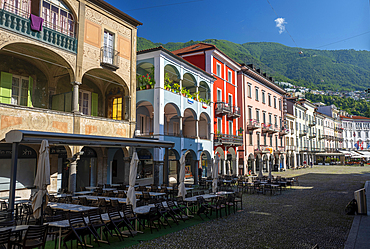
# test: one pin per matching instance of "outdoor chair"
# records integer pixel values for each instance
(176, 211)
(230, 203)
(54, 231)
(78, 230)
(96, 222)
(239, 199)
(129, 214)
(116, 204)
(5, 239)
(151, 217)
(83, 201)
(203, 207)
(217, 205)
(163, 212)
(35, 237)
(118, 222)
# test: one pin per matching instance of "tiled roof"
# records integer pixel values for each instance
(359, 117)
(194, 48)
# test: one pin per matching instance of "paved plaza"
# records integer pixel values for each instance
(308, 214)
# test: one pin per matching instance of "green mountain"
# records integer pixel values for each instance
(316, 69)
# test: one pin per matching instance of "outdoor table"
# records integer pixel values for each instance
(224, 193)
(15, 229)
(95, 198)
(84, 192)
(62, 195)
(7, 197)
(91, 188)
(70, 207)
(194, 199)
(109, 189)
(142, 210)
(115, 184)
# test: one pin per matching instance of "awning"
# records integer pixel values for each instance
(36, 137)
(364, 154)
(329, 154)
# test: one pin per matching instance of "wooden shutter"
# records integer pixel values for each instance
(30, 90)
(68, 102)
(6, 88)
(94, 104)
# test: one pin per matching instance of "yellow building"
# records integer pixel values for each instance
(73, 71)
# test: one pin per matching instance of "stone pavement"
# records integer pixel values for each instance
(359, 235)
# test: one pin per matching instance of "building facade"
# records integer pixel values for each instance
(75, 73)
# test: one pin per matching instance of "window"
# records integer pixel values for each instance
(275, 102)
(231, 128)
(257, 115)
(108, 50)
(276, 142)
(84, 102)
(269, 99)
(117, 108)
(264, 140)
(271, 141)
(219, 126)
(251, 138)
(219, 95)
(218, 70)
(275, 119)
(229, 76)
(176, 128)
(230, 100)
(263, 97)
(280, 104)
(264, 117)
(19, 90)
(249, 90)
(58, 18)
(270, 118)
(250, 113)
(21, 8)
(257, 93)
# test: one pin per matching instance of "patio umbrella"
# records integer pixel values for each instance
(131, 196)
(260, 174)
(182, 190)
(215, 174)
(270, 174)
(42, 180)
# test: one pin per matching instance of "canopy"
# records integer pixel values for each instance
(182, 190)
(42, 179)
(131, 196)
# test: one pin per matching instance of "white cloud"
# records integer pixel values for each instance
(280, 23)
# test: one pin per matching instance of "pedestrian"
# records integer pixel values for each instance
(200, 172)
(311, 164)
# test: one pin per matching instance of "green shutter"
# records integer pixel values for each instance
(57, 102)
(68, 102)
(94, 104)
(30, 90)
(6, 88)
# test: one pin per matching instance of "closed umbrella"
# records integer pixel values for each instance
(215, 174)
(260, 174)
(42, 180)
(182, 190)
(131, 196)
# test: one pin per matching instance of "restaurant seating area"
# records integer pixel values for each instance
(100, 215)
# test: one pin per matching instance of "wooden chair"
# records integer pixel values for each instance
(35, 237)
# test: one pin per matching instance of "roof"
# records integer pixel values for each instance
(174, 55)
(54, 138)
(113, 10)
(354, 117)
(202, 46)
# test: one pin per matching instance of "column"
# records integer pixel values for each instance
(72, 177)
(254, 166)
(75, 101)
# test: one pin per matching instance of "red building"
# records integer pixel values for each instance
(226, 112)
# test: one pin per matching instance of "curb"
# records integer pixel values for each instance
(352, 236)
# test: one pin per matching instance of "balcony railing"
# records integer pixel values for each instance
(146, 134)
(14, 21)
(313, 123)
(284, 132)
(222, 108)
(253, 124)
(268, 128)
(291, 147)
(234, 112)
(302, 133)
(281, 149)
(109, 58)
(226, 139)
(313, 135)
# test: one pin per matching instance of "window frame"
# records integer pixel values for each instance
(218, 69)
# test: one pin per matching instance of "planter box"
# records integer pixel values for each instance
(327, 163)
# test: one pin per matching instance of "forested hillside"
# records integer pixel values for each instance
(316, 69)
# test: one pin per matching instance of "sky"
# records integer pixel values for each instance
(309, 24)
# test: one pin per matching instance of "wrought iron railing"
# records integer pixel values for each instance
(109, 57)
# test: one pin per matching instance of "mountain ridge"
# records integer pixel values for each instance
(315, 69)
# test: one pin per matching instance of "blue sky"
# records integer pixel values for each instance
(313, 24)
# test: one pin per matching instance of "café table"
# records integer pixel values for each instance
(70, 207)
(84, 192)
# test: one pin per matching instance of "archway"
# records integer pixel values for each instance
(173, 164)
(171, 120)
(144, 119)
(145, 166)
(250, 164)
(259, 163)
(118, 168)
(144, 75)
(231, 162)
(205, 164)
(204, 126)
(204, 91)
(190, 167)
(221, 154)
(189, 124)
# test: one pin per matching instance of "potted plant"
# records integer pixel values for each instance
(195, 96)
(167, 82)
(183, 92)
(176, 87)
(188, 94)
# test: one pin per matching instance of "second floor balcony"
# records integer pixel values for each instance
(253, 124)
(312, 123)
(222, 108)
(302, 133)
(109, 58)
(268, 128)
(313, 135)
(17, 21)
(291, 147)
(227, 139)
(283, 132)
(234, 112)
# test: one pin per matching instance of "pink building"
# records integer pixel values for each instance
(262, 121)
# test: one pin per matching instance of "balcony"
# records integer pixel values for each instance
(291, 131)
(226, 139)
(253, 124)
(304, 149)
(222, 108)
(281, 150)
(284, 132)
(50, 35)
(266, 149)
(313, 123)
(302, 133)
(313, 135)
(268, 128)
(234, 112)
(109, 58)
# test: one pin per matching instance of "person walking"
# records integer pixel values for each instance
(200, 172)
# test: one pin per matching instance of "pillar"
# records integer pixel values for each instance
(75, 101)
(254, 166)
(72, 177)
